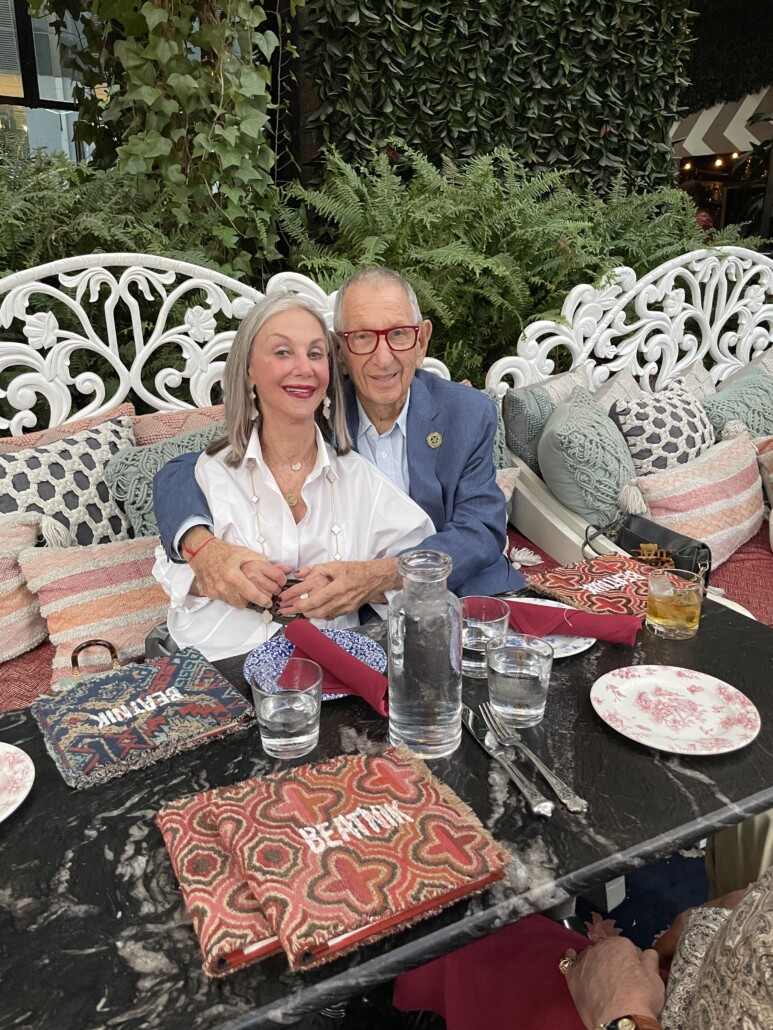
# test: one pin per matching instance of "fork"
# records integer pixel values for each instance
(511, 738)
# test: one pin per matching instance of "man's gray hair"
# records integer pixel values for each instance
(375, 277)
(239, 396)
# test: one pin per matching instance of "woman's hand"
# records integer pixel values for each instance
(614, 978)
(236, 575)
(666, 944)
(337, 588)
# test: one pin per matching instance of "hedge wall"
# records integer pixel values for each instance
(588, 85)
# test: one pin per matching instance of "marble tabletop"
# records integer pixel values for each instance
(93, 931)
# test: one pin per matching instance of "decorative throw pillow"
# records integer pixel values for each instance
(104, 591)
(130, 474)
(749, 400)
(717, 498)
(11, 444)
(763, 361)
(663, 430)
(584, 459)
(525, 412)
(622, 386)
(21, 625)
(66, 480)
(163, 425)
(698, 381)
(764, 448)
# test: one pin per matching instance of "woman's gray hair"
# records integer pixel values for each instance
(239, 395)
(374, 277)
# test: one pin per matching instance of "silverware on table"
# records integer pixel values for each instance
(538, 804)
(511, 738)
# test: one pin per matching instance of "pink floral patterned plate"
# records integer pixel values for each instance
(17, 773)
(676, 710)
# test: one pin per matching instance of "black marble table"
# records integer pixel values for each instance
(93, 931)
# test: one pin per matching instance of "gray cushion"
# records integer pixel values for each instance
(749, 399)
(526, 410)
(130, 473)
(66, 480)
(663, 430)
(584, 459)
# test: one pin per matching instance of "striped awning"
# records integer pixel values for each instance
(723, 129)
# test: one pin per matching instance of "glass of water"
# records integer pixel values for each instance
(287, 703)
(484, 621)
(518, 678)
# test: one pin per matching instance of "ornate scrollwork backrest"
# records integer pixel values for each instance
(80, 335)
(716, 303)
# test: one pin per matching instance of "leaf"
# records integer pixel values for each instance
(154, 16)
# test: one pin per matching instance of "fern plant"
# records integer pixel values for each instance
(487, 245)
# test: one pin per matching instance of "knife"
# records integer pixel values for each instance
(475, 726)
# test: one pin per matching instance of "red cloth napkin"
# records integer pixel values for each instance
(342, 672)
(540, 620)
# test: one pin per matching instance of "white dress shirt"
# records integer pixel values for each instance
(388, 451)
(375, 518)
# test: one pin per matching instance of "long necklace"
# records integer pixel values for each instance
(335, 529)
(291, 496)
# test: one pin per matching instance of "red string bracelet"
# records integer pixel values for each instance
(192, 554)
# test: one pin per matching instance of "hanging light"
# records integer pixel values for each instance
(735, 155)
(687, 166)
(718, 163)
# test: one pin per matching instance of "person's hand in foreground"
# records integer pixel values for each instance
(614, 978)
(225, 572)
(337, 588)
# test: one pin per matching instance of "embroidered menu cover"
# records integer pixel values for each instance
(348, 850)
(125, 719)
(226, 916)
(613, 585)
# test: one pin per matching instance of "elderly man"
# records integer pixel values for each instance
(434, 439)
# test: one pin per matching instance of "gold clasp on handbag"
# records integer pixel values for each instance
(77, 672)
(651, 554)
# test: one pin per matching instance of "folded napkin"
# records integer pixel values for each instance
(342, 672)
(540, 620)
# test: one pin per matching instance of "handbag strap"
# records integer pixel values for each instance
(77, 672)
(591, 534)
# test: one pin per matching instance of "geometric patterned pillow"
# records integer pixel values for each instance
(66, 480)
(162, 425)
(130, 473)
(663, 430)
(717, 498)
(42, 437)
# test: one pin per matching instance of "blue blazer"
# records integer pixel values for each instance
(454, 482)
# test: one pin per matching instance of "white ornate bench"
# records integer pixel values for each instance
(715, 304)
(84, 334)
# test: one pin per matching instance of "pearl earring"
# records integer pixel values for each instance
(255, 413)
(326, 408)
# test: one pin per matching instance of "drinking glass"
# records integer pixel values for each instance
(287, 703)
(484, 621)
(674, 600)
(518, 678)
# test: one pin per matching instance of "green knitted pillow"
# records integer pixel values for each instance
(130, 473)
(584, 459)
(748, 399)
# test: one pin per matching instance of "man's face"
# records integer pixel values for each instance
(381, 379)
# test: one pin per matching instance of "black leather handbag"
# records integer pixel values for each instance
(655, 545)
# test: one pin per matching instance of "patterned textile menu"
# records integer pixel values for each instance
(612, 585)
(225, 913)
(354, 848)
(113, 722)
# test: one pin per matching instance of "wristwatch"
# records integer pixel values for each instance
(632, 1023)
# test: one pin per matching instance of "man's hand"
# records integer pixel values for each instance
(614, 978)
(232, 574)
(337, 588)
(666, 944)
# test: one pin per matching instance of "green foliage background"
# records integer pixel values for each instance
(588, 86)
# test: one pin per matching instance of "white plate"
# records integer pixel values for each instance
(278, 649)
(17, 774)
(676, 710)
(563, 646)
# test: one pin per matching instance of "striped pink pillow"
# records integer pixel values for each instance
(21, 625)
(716, 497)
(162, 425)
(12, 444)
(103, 590)
(764, 446)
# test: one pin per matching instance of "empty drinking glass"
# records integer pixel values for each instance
(287, 702)
(484, 621)
(518, 678)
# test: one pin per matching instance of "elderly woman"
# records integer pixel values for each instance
(284, 482)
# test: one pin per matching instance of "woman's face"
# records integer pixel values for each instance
(288, 365)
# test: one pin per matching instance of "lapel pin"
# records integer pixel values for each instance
(434, 440)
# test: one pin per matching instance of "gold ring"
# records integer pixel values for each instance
(566, 963)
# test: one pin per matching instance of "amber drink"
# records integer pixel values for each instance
(674, 603)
